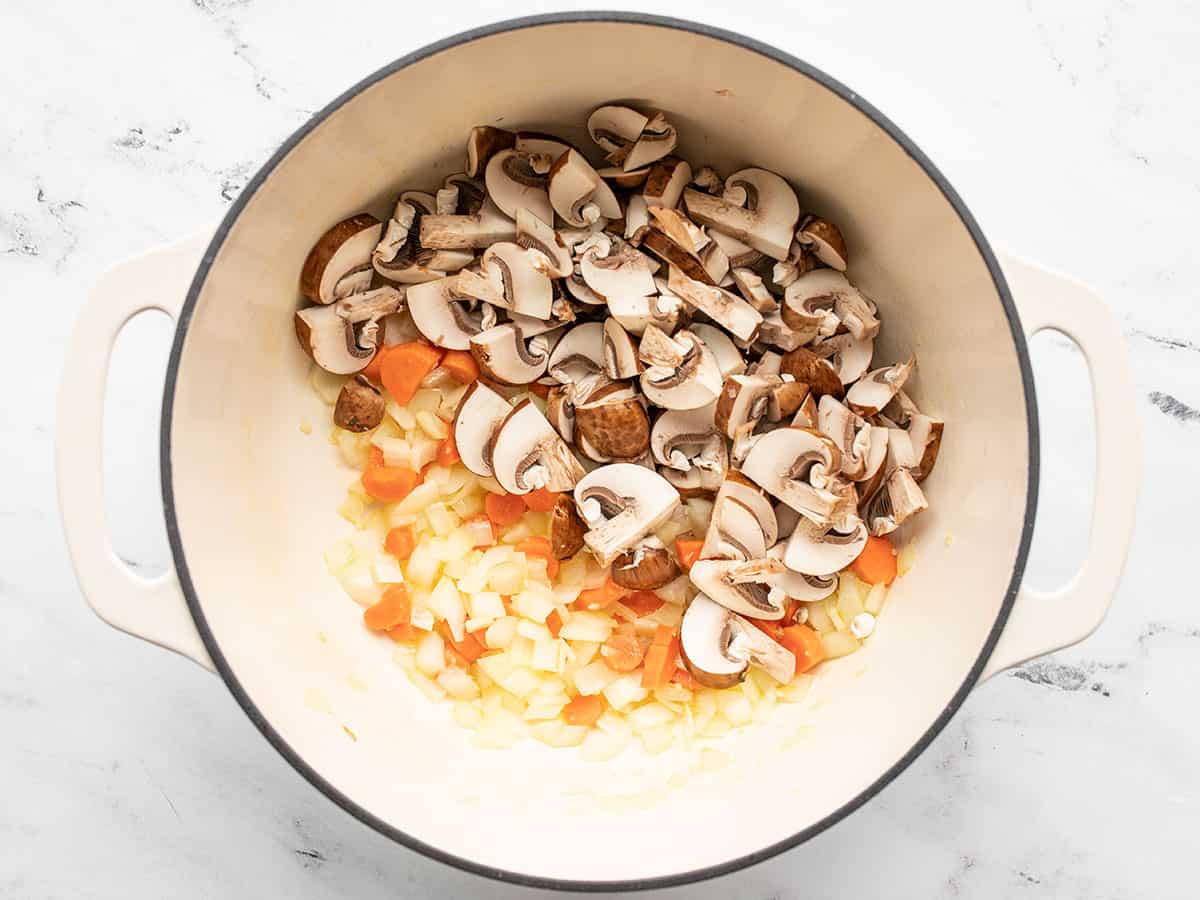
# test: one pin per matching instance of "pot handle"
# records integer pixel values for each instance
(1042, 622)
(152, 609)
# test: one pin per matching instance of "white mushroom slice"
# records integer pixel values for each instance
(637, 313)
(750, 495)
(744, 400)
(695, 382)
(623, 179)
(637, 219)
(728, 310)
(622, 503)
(896, 500)
(925, 436)
(776, 333)
(751, 286)
(528, 454)
(808, 302)
(471, 193)
(613, 426)
(479, 414)
(848, 355)
(813, 550)
(729, 358)
(658, 138)
(524, 275)
(797, 466)
(682, 231)
(875, 390)
(658, 243)
(512, 183)
(443, 319)
(534, 234)
(657, 348)
(579, 354)
(743, 586)
(687, 443)
(767, 220)
(876, 456)
(415, 265)
(343, 337)
(665, 183)
(734, 532)
(741, 255)
(483, 143)
(487, 287)
(798, 585)
(695, 482)
(716, 264)
(620, 352)
(768, 364)
(504, 356)
(546, 148)
(850, 432)
(857, 313)
(824, 240)
(623, 272)
(616, 129)
(581, 292)
(446, 200)
(788, 398)
(396, 234)
(718, 646)
(333, 266)
(477, 231)
(578, 194)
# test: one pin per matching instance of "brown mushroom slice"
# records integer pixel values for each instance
(857, 314)
(637, 313)
(513, 183)
(581, 292)
(505, 355)
(484, 142)
(798, 585)
(850, 432)
(677, 257)
(623, 179)
(342, 338)
(767, 220)
(359, 406)
(776, 333)
(682, 231)
(717, 646)
(479, 415)
(788, 398)
(579, 354)
(924, 434)
(814, 550)
(848, 355)
(467, 232)
(716, 264)
(875, 390)
(528, 454)
(824, 240)
(805, 366)
(562, 398)
(734, 532)
(616, 129)
(751, 286)
(637, 220)
(741, 255)
(645, 567)
(728, 358)
(808, 302)
(658, 138)
(442, 318)
(797, 466)
(471, 193)
(695, 482)
(897, 498)
(622, 503)
(744, 400)
(578, 194)
(728, 310)
(623, 272)
(334, 265)
(666, 181)
(743, 586)
(620, 352)
(612, 427)
(534, 234)
(566, 528)
(525, 277)
(694, 382)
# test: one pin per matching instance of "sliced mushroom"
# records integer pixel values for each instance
(561, 400)
(613, 426)
(637, 220)
(677, 257)
(743, 586)
(475, 231)
(734, 531)
(487, 287)
(728, 358)
(897, 499)
(847, 354)
(471, 193)
(825, 241)
(566, 528)
(744, 400)
(850, 432)
(479, 415)
(767, 220)
(337, 260)
(444, 319)
(513, 183)
(547, 147)
(658, 138)
(505, 355)
(776, 333)
(788, 397)
(728, 310)
(798, 585)
(751, 286)
(809, 301)
(623, 272)
(797, 466)
(623, 179)
(620, 352)
(657, 348)
(875, 390)
(857, 314)
(636, 313)
(360, 405)
(579, 354)
(645, 567)
(578, 194)
(750, 495)
(483, 143)
(924, 434)
(616, 129)
(813, 550)
(691, 450)
(805, 366)
(666, 181)
(768, 364)
(534, 234)
(525, 277)
(342, 338)
(694, 382)
(622, 503)
(717, 646)
(716, 264)
(528, 454)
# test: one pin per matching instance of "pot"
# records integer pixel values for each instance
(250, 500)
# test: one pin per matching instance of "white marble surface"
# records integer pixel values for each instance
(1070, 129)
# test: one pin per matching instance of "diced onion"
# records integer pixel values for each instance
(594, 678)
(431, 653)
(432, 425)
(508, 578)
(587, 626)
(501, 633)
(457, 683)
(386, 569)
(839, 643)
(625, 691)
(651, 715)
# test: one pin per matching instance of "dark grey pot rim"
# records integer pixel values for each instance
(294, 758)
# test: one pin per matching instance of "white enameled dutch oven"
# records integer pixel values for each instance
(250, 501)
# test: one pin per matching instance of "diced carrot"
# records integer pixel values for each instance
(481, 541)
(404, 634)
(642, 603)
(554, 622)
(584, 710)
(661, 658)
(539, 390)
(622, 652)
(400, 542)
(772, 629)
(600, 597)
(461, 365)
(405, 367)
(540, 500)
(688, 551)
(877, 562)
(539, 546)
(374, 369)
(469, 649)
(686, 679)
(447, 452)
(390, 483)
(392, 609)
(503, 509)
(805, 644)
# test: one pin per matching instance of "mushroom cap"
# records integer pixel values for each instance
(566, 528)
(528, 454)
(479, 414)
(796, 465)
(645, 567)
(578, 194)
(812, 550)
(512, 183)
(441, 318)
(666, 181)
(620, 352)
(695, 382)
(525, 277)
(728, 310)
(825, 240)
(579, 354)
(875, 390)
(728, 358)
(805, 366)
(623, 179)
(767, 220)
(504, 356)
(624, 272)
(484, 142)
(342, 251)
(534, 234)
(717, 646)
(359, 406)
(613, 427)
(743, 586)
(621, 503)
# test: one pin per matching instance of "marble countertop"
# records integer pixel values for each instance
(1068, 128)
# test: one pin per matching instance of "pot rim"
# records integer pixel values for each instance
(314, 777)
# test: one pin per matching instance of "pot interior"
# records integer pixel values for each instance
(255, 498)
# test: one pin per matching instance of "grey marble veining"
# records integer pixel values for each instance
(1070, 129)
